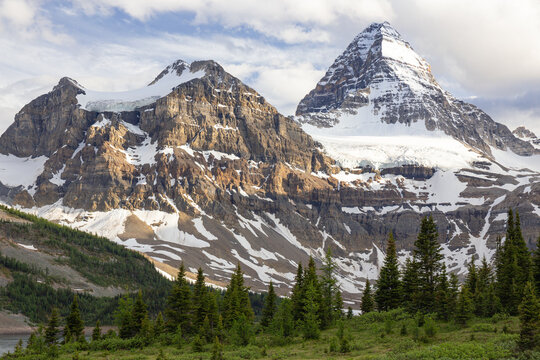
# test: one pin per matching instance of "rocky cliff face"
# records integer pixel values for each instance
(198, 167)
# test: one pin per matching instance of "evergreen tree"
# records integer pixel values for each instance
(269, 308)
(442, 296)
(331, 302)
(472, 277)
(465, 306)
(236, 301)
(536, 267)
(217, 350)
(282, 324)
(367, 299)
(349, 313)
(297, 296)
(453, 291)
(427, 254)
(139, 315)
(387, 295)
(409, 285)
(311, 324)
(123, 317)
(179, 306)
(96, 333)
(200, 299)
(514, 265)
(241, 330)
(159, 325)
(51, 332)
(529, 317)
(213, 311)
(74, 323)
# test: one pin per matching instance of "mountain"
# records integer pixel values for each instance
(198, 167)
(379, 85)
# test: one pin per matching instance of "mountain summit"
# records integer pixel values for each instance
(379, 80)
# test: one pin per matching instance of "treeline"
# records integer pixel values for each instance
(98, 259)
(510, 285)
(197, 315)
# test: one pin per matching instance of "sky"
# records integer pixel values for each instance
(483, 51)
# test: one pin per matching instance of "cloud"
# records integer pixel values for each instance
(290, 21)
(280, 47)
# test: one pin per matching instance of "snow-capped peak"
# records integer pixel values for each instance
(172, 76)
(380, 86)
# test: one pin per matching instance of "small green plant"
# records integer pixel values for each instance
(388, 324)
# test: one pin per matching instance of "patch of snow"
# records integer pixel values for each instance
(29, 247)
(15, 171)
(130, 100)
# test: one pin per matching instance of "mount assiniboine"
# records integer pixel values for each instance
(198, 167)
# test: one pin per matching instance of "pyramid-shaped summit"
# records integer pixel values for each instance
(379, 80)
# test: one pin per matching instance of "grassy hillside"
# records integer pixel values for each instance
(388, 335)
(42, 264)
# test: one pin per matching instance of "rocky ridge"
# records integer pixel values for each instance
(199, 167)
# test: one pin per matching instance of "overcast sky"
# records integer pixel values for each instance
(484, 51)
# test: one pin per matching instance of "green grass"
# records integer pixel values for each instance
(371, 337)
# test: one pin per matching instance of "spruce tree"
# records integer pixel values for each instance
(159, 325)
(200, 299)
(123, 317)
(269, 307)
(509, 272)
(51, 332)
(442, 296)
(236, 301)
(536, 267)
(311, 323)
(297, 296)
(282, 324)
(529, 317)
(465, 306)
(74, 323)
(178, 311)
(387, 295)
(139, 314)
(427, 254)
(96, 333)
(217, 350)
(409, 285)
(330, 307)
(367, 299)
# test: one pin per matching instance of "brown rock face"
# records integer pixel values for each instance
(212, 174)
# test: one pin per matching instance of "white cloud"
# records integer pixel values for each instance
(488, 48)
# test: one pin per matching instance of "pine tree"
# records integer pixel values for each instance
(297, 296)
(217, 350)
(282, 324)
(427, 254)
(200, 300)
(529, 317)
(465, 306)
(123, 317)
(236, 301)
(74, 322)
(442, 296)
(311, 324)
(453, 291)
(387, 295)
(514, 267)
(409, 285)
(241, 331)
(179, 306)
(367, 299)
(139, 315)
(536, 267)
(269, 308)
(159, 325)
(330, 307)
(51, 332)
(96, 333)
